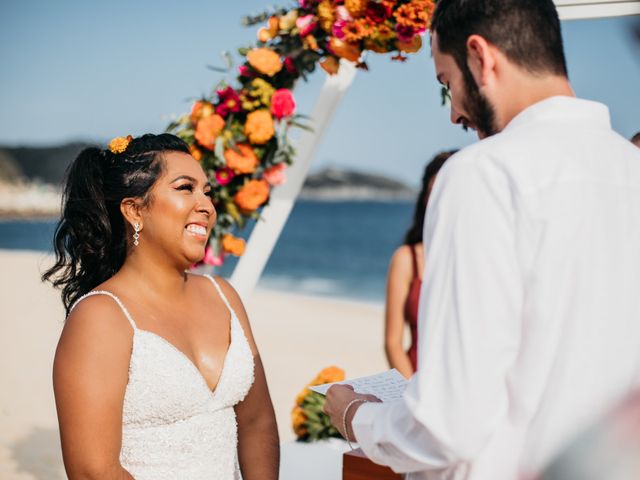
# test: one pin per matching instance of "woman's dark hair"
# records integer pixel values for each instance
(526, 31)
(91, 240)
(414, 234)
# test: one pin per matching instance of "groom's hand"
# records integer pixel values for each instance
(338, 398)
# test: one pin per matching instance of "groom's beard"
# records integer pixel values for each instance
(481, 112)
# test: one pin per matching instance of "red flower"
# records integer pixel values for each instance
(229, 101)
(282, 103)
(377, 12)
(245, 71)
(306, 25)
(405, 33)
(290, 66)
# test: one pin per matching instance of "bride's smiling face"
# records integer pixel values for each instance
(180, 216)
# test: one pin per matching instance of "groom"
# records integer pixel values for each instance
(530, 313)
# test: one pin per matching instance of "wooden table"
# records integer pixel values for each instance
(356, 466)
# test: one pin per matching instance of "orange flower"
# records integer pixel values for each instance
(375, 46)
(120, 144)
(233, 245)
(302, 395)
(195, 152)
(244, 160)
(328, 375)
(353, 32)
(415, 15)
(259, 127)
(412, 46)
(265, 61)
(208, 129)
(200, 109)
(310, 42)
(330, 65)
(344, 50)
(298, 419)
(264, 35)
(252, 195)
(356, 8)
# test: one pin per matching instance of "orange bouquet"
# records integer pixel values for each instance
(308, 419)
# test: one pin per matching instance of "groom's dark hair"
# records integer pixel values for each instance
(526, 31)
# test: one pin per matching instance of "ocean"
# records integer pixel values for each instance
(336, 249)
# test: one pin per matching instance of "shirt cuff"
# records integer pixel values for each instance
(362, 426)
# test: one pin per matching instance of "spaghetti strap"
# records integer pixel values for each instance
(108, 294)
(224, 298)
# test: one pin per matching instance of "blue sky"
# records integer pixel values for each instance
(78, 70)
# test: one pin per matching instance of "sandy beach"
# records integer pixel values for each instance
(297, 336)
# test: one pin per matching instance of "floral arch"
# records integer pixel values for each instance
(240, 132)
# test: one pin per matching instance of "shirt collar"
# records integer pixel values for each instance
(563, 108)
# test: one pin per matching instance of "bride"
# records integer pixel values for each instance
(156, 375)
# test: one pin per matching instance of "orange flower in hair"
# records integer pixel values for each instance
(120, 144)
(252, 195)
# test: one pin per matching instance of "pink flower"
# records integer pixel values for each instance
(343, 14)
(229, 101)
(282, 103)
(245, 71)
(224, 176)
(211, 258)
(337, 29)
(306, 24)
(275, 175)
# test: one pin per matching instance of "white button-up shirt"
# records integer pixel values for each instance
(530, 309)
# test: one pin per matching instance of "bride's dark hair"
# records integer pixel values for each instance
(91, 238)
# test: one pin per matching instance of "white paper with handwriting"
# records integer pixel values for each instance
(387, 386)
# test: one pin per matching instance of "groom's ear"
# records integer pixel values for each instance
(481, 60)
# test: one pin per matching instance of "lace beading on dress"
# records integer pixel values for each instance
(173, 426)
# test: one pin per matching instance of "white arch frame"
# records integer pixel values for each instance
(265, 234)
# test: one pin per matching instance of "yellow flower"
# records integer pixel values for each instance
(257, 95)
(265, 61)
(120, 144)
(326, 15)
(288, 21)
(259, 127)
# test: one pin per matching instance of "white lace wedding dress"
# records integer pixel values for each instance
(174, 427)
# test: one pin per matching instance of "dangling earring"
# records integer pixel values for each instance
(136, 235)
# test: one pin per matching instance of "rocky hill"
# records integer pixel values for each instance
(339, 184)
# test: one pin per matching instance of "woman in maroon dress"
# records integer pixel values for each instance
(404, 281)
